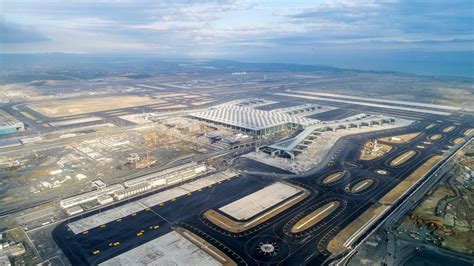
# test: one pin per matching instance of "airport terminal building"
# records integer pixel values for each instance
(252, 121)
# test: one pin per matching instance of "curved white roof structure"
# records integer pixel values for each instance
(250, 118)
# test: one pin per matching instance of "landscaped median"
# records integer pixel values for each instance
(402, 158)
(211, 250)
(347, 236)
(399, 190)
(316, 216)
(400, 139)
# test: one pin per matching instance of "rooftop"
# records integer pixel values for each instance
(290, 144)
(250, 118)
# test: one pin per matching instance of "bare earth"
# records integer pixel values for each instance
(368, 152)
(345, 237)
(89, 105)
(315, 217)
(403, 158)
(400, 189)
(401, 138)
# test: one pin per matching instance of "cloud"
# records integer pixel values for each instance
(16, 33)
(230, 27)
(389, 25)
(126, 12)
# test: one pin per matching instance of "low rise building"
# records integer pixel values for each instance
(132, 191)
(104, 199)
(167, 176)
(74, 210)
(89, 196)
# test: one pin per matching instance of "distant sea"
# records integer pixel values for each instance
(424, 63)
(447, 63)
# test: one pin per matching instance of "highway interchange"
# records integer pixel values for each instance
(307, 247)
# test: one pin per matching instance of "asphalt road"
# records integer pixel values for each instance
(308, 247)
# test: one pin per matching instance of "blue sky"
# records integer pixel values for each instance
(293, 31)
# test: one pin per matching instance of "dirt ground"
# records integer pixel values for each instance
(469, 132)
(368, 152)
(88, 105)
(401, 138)
(402, 158)
(436, 137)
(458, 140)
(315, 216)
(454, 227)
(333, 177)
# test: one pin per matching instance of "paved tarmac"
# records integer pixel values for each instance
(307, 247)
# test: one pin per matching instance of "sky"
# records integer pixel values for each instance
(345, 33)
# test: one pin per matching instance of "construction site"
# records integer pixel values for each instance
(56, 172)
(444, 217)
